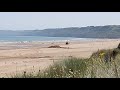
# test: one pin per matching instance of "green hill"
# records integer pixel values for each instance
(108, 31)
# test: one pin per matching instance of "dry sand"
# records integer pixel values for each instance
(32, 56)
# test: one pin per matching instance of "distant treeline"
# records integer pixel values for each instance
(108, 31)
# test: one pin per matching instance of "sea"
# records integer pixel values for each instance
(39, 38)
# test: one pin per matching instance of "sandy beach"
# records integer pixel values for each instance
(32, 56)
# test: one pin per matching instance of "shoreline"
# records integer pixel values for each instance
(72, 40)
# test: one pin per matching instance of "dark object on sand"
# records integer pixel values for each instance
(67, 43)
(56, 46)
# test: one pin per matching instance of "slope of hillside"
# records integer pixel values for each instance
(108, 31)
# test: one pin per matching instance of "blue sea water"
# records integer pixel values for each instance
(37, 38)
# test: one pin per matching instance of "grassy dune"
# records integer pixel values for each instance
(101, 64)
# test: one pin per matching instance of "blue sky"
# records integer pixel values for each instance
(43, 20)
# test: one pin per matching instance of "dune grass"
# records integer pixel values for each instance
(93, 67)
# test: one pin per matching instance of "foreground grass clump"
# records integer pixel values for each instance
(106, 63)
(69, 68)
(101, 64)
